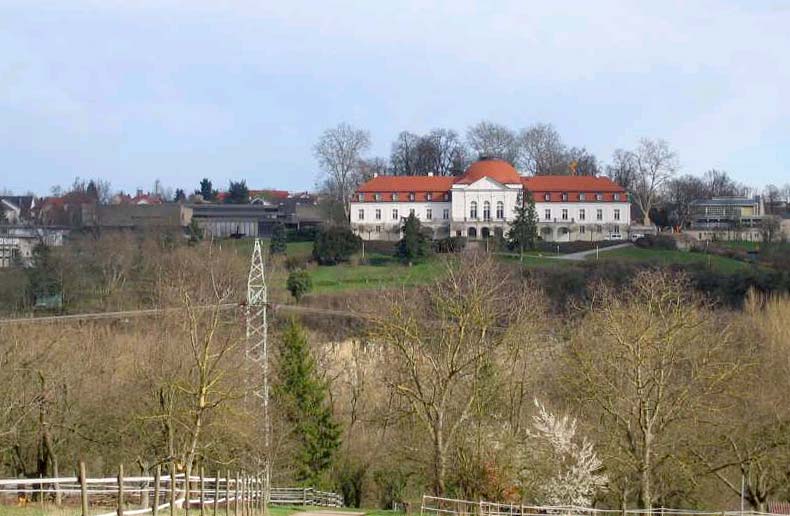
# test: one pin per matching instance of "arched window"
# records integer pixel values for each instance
(473, 210)
(471, 232)
(486, 210)
(500, 210)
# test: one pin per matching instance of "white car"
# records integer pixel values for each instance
(636, 236)
(614, 236)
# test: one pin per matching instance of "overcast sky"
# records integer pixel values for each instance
(135, 90)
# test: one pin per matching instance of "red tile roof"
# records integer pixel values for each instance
(570, 184)
(496, 169)
(383, 184)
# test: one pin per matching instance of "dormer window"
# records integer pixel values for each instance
(564, 196)
(581, 196)
(429, 196)
(377, 197)
(599, 196)
(394, 196)
(547, 197)
(361, 197)
(617, 197)
(411, 196)
(446, 197)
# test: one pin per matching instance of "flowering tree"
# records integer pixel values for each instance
(567, 467)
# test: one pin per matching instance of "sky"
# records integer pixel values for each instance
(137, 90)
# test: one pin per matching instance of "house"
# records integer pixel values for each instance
(482, 202)
(137, 216)
(17, 209)
(17, 243)
(727, 218)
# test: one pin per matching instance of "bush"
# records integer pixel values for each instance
(299, 284)
(293, 263)
(334, 245)
(302, 234)
(453, 244)
(278, 243)
(660, 242)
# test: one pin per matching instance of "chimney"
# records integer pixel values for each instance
(430, 174)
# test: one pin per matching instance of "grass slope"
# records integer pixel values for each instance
(665, 257)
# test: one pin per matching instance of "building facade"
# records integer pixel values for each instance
(482, 202)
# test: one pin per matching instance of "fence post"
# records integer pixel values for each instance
(41, 492)
(202, 489)
(157, 478)
(187, 487)
(236, 498)
(216, 494)
(120, 490)
(304, 496)
(56, 472)
(172, 488)
(83, 490)
(227, 492)
(243, 494)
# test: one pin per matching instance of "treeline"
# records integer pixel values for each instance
(640, 391)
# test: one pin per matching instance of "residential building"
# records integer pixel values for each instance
(17, 209)
(17, 243)
(483, 201)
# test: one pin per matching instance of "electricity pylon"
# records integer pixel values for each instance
(258, 353)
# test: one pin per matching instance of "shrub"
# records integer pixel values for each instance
(278, 243)
(334, 245)
(661, 242)
(299, 284)
(293, 263)
(302, 234)
(453, 244)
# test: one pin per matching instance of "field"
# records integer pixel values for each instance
(665, 257)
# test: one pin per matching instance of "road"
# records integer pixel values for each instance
(582, 255)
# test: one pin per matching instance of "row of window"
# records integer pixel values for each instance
(582, 214)
(582, 196)
(446, 196)
(396, 214)
(395, 196)
(500, 210)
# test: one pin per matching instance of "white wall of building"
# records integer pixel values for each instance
(365, 222)
(480, 192)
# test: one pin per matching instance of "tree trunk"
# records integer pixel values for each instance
(645, 481)
(439, 463)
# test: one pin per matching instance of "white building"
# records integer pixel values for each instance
(480, 204)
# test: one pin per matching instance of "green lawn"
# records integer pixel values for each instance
(386, 273)
(664, 257)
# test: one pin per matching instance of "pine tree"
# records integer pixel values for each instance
(414, 245)
(238, 193)
(206, 191)
(180, 196)
(523, 230)
(301, 393)
(279, 241)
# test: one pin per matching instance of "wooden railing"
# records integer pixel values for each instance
(243, 494)
(437, 506)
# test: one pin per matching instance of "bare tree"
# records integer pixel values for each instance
(339, 152)
(771, 196)
(622, 170)
(680, 193)
(542, 151)
(649, 365)
(447, 155)
(438, 340)
(582, 162)
(405, 155)
(655, 164)
(487, 139)
(718, 183)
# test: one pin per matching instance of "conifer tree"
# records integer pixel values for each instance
(279, 241)
(414, 244)
(523, 230)
(302, 395)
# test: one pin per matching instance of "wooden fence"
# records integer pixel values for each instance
(223, 494)
(436, 506)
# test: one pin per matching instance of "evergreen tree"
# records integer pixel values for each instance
(302, 394)
(279, 241)
(299, 284)
(334, 245)
(414, 245)
(238, 193)
(180, 196)
(92, 191)
(206, 190)
(523, 230)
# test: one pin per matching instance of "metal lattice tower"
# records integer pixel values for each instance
(258, 352)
